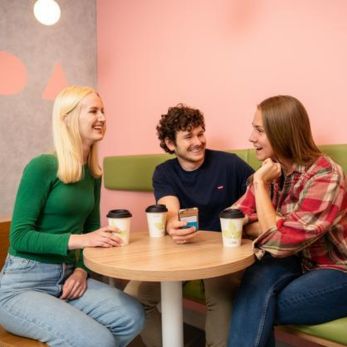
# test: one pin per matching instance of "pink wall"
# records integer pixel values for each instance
(222, 56)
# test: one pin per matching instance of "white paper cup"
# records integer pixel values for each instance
(156, 220)
(120, 219)
(231, 224)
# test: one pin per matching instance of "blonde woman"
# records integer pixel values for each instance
(45, 292)
(296, 207)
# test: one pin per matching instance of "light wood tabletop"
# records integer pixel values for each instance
(161, 259)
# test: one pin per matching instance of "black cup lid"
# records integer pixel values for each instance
(156, 208)
(118, 214)
(231, 213)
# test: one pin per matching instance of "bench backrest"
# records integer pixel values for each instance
(4, 240)
(134, 172)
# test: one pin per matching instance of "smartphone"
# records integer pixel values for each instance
(189, 215)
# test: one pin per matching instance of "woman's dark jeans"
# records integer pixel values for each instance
(274, 291)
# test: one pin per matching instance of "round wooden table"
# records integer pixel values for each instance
(162, 260)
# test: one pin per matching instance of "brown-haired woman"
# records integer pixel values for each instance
(295, 206)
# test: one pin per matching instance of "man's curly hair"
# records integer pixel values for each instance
(180, 117)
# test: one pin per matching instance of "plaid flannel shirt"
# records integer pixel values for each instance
(312, 206)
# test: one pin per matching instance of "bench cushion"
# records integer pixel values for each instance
(335, 330)
(134, 172)
(131, 172)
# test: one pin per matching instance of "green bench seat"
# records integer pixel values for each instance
(134, 173)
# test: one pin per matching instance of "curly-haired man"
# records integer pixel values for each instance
(197, 177)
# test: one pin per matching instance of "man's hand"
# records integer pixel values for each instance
(175, 229)
(75, 285)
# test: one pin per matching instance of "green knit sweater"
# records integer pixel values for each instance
(47, 211)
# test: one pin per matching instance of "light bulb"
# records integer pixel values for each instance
(47, 12)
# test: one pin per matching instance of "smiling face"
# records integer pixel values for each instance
(92, 122)
(189, 147)
(261, 143)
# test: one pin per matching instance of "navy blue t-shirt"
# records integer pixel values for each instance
(214, 186)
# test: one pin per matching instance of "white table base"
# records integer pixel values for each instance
(172, 314)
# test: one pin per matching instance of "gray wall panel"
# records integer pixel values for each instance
(25, 118)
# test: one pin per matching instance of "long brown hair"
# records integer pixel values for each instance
(288, 129)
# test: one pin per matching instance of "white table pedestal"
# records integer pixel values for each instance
(172, 314)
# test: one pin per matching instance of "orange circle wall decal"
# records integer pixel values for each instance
(13, 74)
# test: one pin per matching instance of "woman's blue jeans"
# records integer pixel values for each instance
(275, 291)
(30, 306)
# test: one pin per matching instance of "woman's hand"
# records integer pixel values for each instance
(104, 237)
(265, 210)
(179, 234)
(75, 285)
(267, 172)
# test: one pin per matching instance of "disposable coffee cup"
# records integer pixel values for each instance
(156, 219)
(120, 219)
(231, 221)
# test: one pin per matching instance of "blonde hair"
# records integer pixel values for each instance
(67, 138)
(287, 126)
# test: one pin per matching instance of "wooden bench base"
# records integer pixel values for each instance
(9, 340)
(314, 339)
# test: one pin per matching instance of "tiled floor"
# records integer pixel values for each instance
(193, 337)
